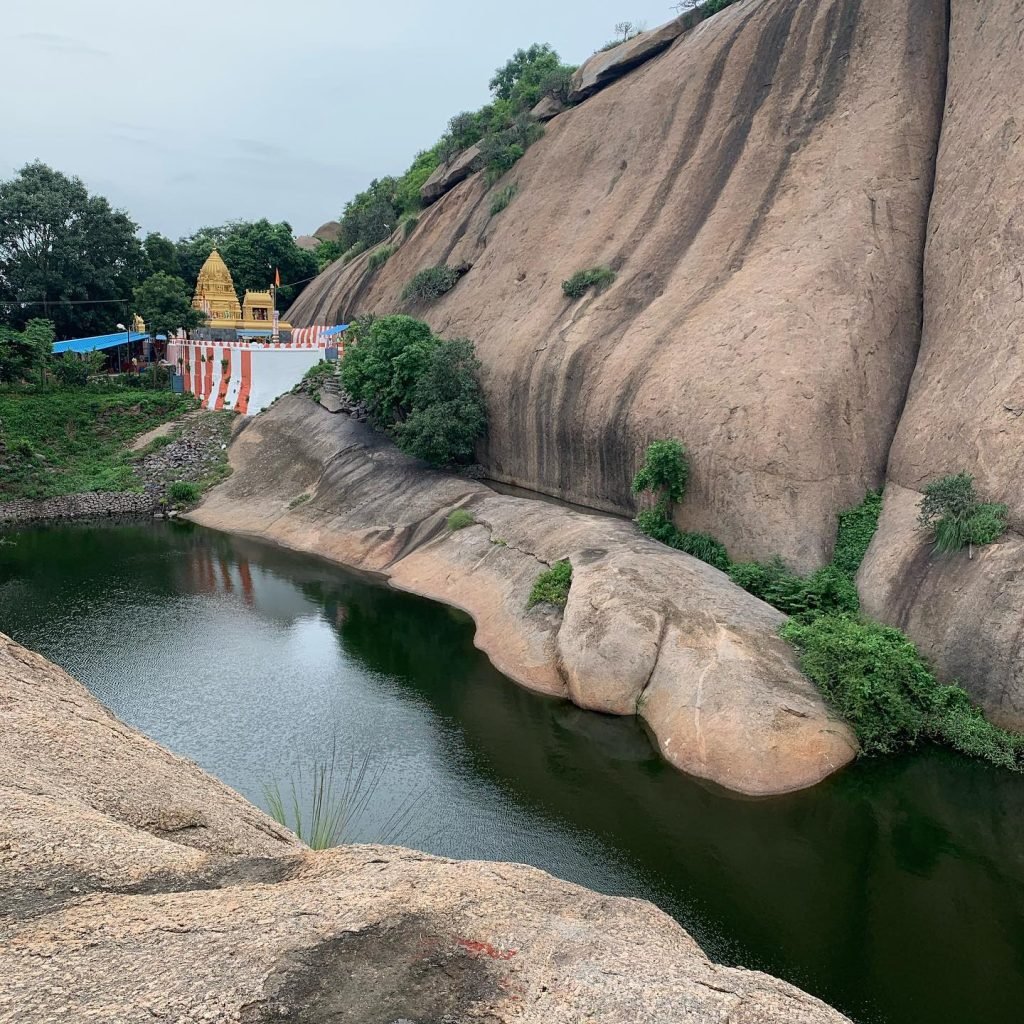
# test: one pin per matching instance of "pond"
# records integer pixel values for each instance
(894, 891)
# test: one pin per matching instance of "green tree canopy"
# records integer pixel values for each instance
(161, 254)
(523, 68)
(24, 354)
(165, 303)
(58, 245)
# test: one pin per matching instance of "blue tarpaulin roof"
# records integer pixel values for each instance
(331, 331)
(100, 341)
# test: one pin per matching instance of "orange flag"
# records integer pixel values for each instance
(277, 277)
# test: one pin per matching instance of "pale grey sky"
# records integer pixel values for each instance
(193, 112)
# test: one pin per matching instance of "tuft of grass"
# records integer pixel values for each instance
(300, 500)
(552, 586)
(325, 805)
(184, 492)
(503, 198)
(597, 278)
(432, 283)
(379, 257)
(460, 519)
(409, 226)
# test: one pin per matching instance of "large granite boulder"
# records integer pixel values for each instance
(133, 887)
(965, 409)
(761, 191)
(330, 231)
(647, 630)
(607, 65)
(449, 174)
(547, 108)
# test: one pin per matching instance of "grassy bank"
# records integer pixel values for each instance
(73, 441)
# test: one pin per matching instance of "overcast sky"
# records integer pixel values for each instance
(193, 112)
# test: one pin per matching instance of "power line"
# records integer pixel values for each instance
(59, 302)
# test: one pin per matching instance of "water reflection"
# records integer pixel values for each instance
(892, 890)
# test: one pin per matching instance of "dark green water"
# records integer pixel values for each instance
(894, 891)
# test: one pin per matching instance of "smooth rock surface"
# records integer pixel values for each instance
(448, 175)
(133, 887)
(605, 66)
(330, 231)
(647, 630)
(965, 409)
(761, 190)
(547, 108)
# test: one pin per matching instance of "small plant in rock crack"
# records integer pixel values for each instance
(460, 519)
(552, 585)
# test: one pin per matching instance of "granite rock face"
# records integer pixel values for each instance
(133, 887)
(647, 630)
(448, 175)
(965, 409)
(761, 190)
(605, 66)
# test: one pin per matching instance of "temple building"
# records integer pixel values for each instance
(226, 318)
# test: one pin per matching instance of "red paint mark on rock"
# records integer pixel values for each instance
(486, 949)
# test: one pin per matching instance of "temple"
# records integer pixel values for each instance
(226, 318)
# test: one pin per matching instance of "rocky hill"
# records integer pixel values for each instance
(805, 225)
(134, 887)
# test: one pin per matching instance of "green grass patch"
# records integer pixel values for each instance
(552, 586)
(300, 500)
(75, 441)
(460, 519)
(502, 198)
(379, 257)
(184, 492)
(582, 281)
(432, 283)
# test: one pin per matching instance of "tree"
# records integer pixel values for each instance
(161, 254)
(524, 65)
(25, 354)
(165, 303)
(62, 250)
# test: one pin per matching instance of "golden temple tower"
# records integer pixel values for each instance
(215, 291)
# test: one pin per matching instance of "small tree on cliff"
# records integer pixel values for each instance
(664, 473)
(951, 512)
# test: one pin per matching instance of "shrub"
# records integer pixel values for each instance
(665, 471)
(825, 591)
(409, 226)
(876, 679)
(448, 415)
(597, 278)
(857, 528)
(552, 586)
(432, 283)
(499, 151)
(951, 511)
(503, 198)
(299, 500)
(421, 389)
(379, 257)
(556, 83)
(382, 368)
(460, 519)
(183, 491)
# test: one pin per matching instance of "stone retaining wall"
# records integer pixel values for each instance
(78, 506)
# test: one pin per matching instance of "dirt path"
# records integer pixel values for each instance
(163, 430)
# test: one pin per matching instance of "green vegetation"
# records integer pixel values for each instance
(460, 519)
(184, 492)
(352, 252)
(409, 225)
(300, 500)
(325, 806)
(165, 303)
(24, 355)
(379, 257)
(951, 512)
(66, 442)
(552, 586)
(420, 389)
(871, 674)
(316, 375)
(874, 676)
(503, 128)
(502, 198)
(597, 278)
(432, 283)
(67, 256)
(624, 31)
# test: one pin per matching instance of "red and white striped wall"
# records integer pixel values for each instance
(240, 376)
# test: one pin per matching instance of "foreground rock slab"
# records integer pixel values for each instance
(646, 630)
(134, 888)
